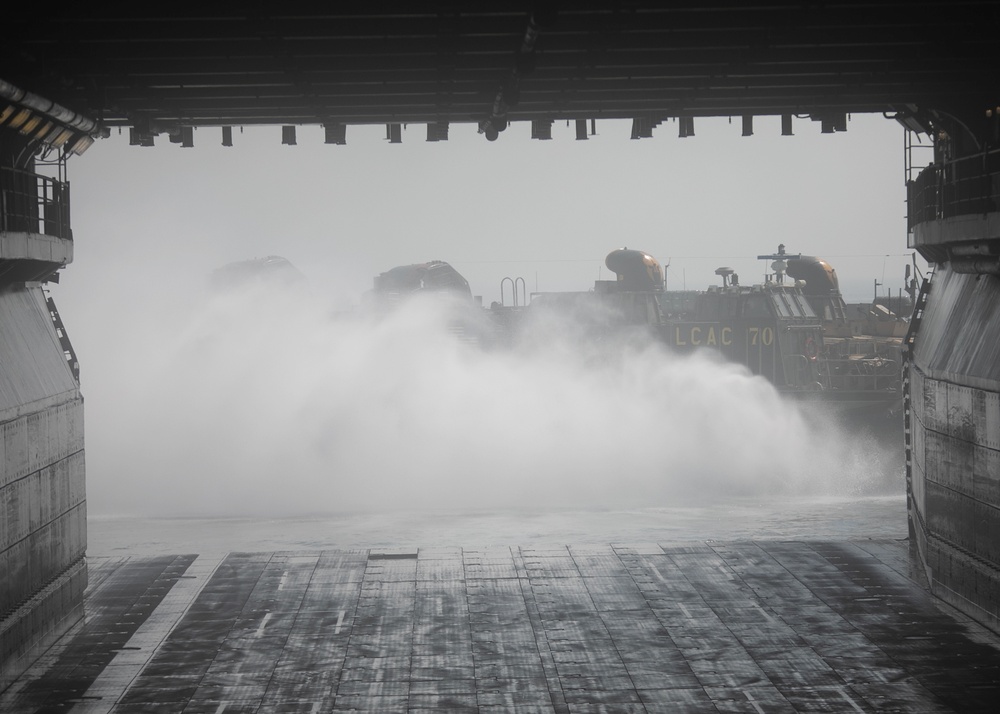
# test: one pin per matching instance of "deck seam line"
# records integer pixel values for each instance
(834, 610)
(100, 680)
(604, 622)
(298, 611)
(556, 696)
(413, 628)
(472, 641)
(777, 615)
(826, 604)
(270, 557)
(732, 635)
(353, 629)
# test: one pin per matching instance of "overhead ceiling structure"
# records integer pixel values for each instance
(166, 66)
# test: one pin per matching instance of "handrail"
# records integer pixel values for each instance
(801, 367)
(512, 290)
(955, 188)
(520, 280)
(32, 203)
(873, 374)
(514, 282)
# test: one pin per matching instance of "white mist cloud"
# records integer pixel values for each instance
(266, 403)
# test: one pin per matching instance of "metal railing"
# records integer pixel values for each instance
(964, 186)
(800, 371)
(865, 375)
(514, 282)
(32, 203)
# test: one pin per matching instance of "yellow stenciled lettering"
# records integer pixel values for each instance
(677, 337)
(752, 334)
(727, 336)
(767, 336)
(695, 335)
(711, 338)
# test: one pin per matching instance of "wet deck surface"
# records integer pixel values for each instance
(695, 627)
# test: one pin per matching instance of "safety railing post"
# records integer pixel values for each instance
(34, 204)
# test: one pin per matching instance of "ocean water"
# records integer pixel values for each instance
(786, 518)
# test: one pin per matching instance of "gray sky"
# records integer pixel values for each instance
(181, 387)
(157, 218)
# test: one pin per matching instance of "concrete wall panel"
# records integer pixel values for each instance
(986, 473)
(955, 442)
(955, 486)
(987, 531)
(925, 404)
(27, 632)
(15, 438)
(39, 558)
(951, 516)
(950, 462)
(32, 501)
(958, 416)
(33, 441)
(43, 512)
(990, 435)
(987, 590)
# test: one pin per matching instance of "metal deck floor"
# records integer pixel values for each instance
(695, 627)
